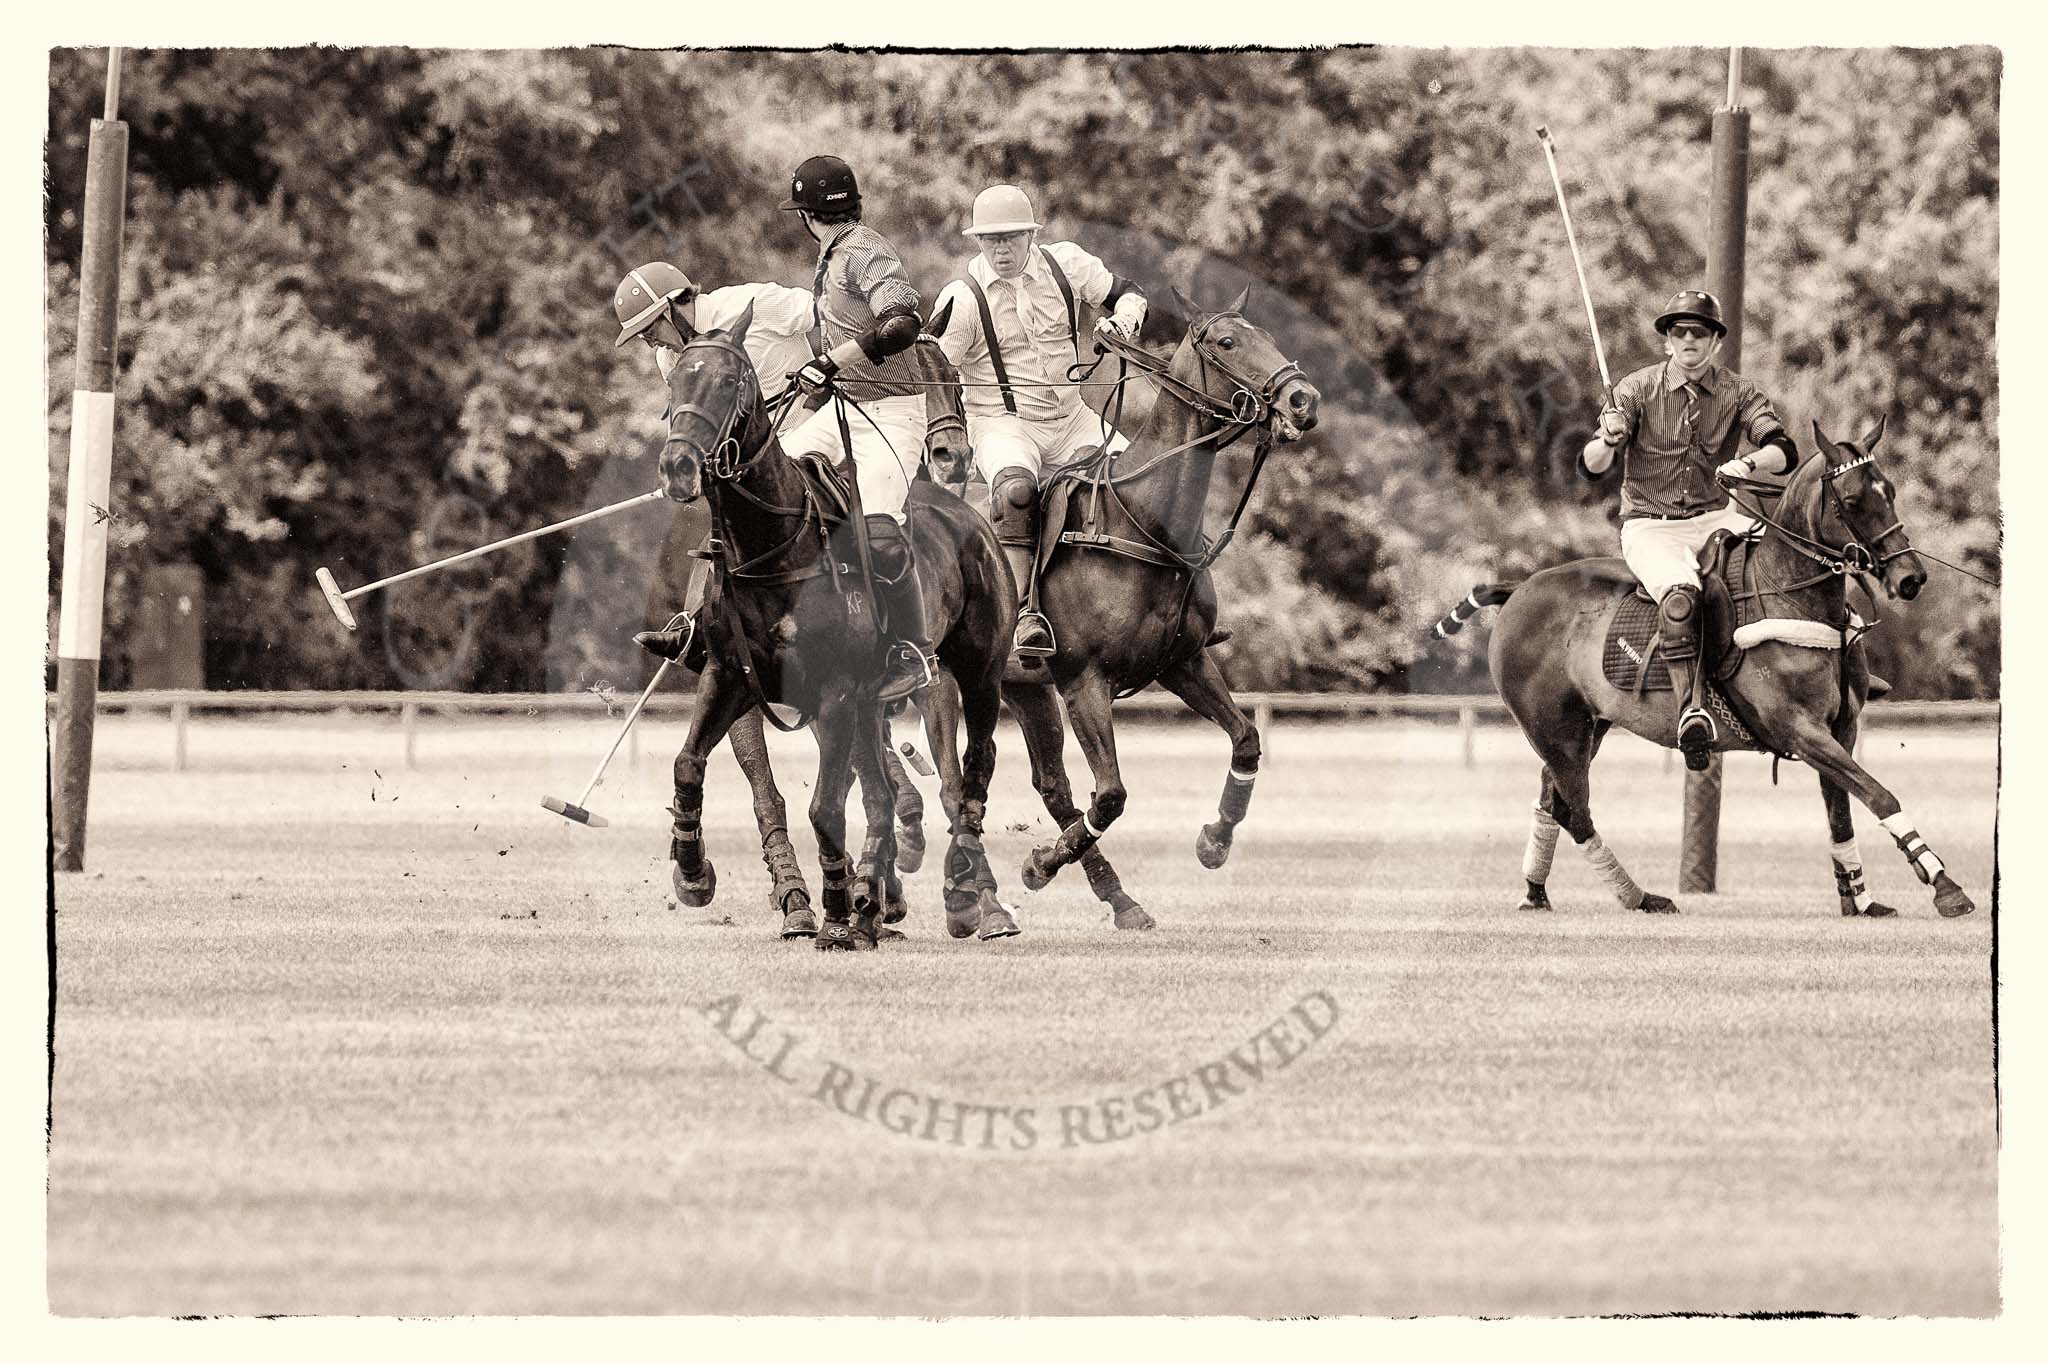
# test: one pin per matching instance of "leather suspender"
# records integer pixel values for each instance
(1059, 277)
(988, 326)
(995, 350)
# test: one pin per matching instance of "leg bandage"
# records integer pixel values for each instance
(1543, 831)
(1849, 873)
(1925, 865)
(1610, 869)
(1237, 796)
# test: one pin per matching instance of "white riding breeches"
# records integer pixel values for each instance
(1004, 440)
(1664, 554)
(888, 443)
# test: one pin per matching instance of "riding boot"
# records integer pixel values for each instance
(1682, 653)
(1034, 632)
(682, 643)
(910, 664)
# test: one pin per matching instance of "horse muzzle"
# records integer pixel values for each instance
(682, 475)
(1295, 409)
(1908, 584)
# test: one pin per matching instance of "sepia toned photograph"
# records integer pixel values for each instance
(880, 681)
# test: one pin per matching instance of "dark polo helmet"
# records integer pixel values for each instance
(1696, 304)
(645, 293)
(823, 184)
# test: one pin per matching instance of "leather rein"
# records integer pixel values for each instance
(1835, 561)
(1251, 408)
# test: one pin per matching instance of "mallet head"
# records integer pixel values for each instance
(569, 810)
(335, 601)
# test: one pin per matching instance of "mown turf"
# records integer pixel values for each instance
(440, 1052)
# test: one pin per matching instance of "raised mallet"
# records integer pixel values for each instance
(1572, 240)
(338, 600)
(576, 810)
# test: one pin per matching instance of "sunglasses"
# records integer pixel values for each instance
(1691, 330)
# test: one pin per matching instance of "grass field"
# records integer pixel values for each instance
(335, 1036)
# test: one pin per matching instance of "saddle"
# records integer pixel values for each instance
(825, 488)
(1631, 657)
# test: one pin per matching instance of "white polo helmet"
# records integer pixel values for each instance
(1001, 208)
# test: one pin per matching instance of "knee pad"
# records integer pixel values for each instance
(887, 544)
(1013, 504)
(1679, 606)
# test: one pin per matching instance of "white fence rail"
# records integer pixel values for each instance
(1465, 711)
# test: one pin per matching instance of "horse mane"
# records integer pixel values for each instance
(1803, 491)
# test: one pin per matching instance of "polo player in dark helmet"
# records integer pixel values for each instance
(1678, 425)
(868, 317)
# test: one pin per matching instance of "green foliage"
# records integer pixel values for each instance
(365, 310)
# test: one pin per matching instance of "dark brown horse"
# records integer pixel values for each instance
(783, 632)
(1132, 602)
(1836, 517)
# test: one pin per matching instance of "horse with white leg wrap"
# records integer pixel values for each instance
(1785, 688)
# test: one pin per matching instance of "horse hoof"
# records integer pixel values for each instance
(1951, 900)
(996, 919)
(1212, 846)
(1538, 898)
(1654, 904)
(1879, 910)
(1037, 875)
(894, 908)
(909, 848)
(884, 935)
(696, 894)
(797, 919)
(963, 917)
(1133, 916)
(836, 936)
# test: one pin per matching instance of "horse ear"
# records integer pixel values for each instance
(1873, 436)
(1244, 296)
(738, 330)
(1822, 437)
(1189, 309)
(937, 326)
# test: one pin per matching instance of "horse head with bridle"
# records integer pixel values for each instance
(1799, 689)
(791, 627)
(1123, 577)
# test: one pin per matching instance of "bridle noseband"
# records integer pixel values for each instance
(1854, 555)
(1252, 403)
(724, 460)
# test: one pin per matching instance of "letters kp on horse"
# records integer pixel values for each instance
(1798, 688)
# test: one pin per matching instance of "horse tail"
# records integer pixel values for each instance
(1482, 596)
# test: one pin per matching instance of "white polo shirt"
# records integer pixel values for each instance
(1030, 316)
(779, 338)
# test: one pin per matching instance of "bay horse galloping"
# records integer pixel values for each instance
(1123, 575)
(791, 626)
(1836, 517)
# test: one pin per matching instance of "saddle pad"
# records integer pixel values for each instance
(1629, 629)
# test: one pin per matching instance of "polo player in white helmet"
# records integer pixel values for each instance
(661, 306)
(1012, 334)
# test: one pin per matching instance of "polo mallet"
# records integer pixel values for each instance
(338, 600)
(576, 810)
(1572, 240)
